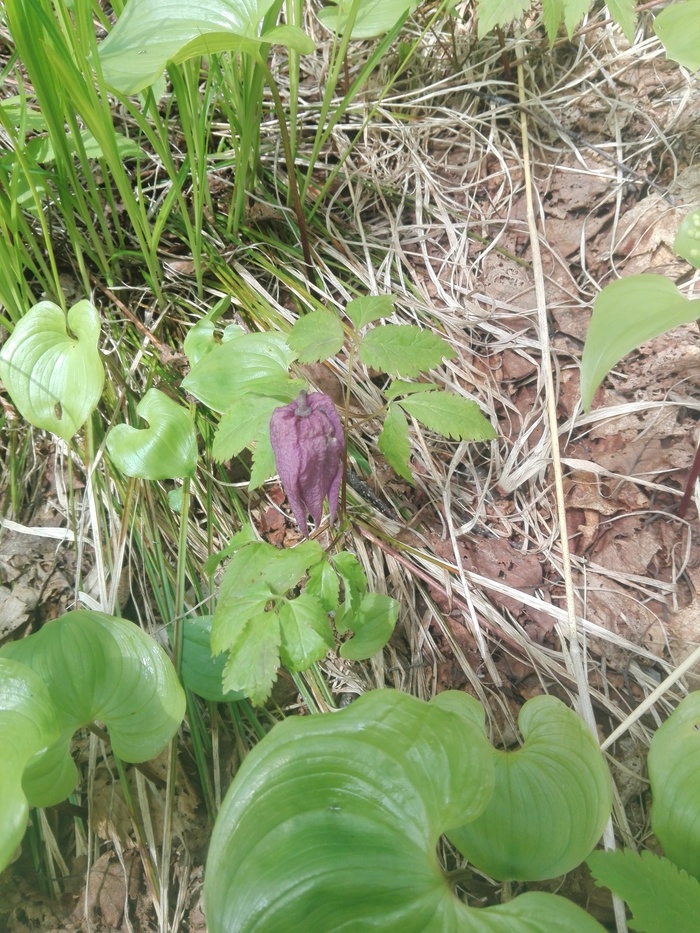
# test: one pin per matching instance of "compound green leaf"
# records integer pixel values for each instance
(202, 672)
(369, 308)
(662, 897)
(372, 624)
(492, 13)
(264, 465)
(305, 630)
(323, 583)
(449, 415)
(165, 450)
(400, 387)
(394, 444)
(252, 668)
(241, 425)
(83, 666)
(354, 586)
(332, 823)
(674, 765)
(677, 28)
(151, 33)
(240, 365)
(52, 368)
(687, 242)
(372, 17)
(316, 336)
(627, 313)
(551, 801)
(403, 349)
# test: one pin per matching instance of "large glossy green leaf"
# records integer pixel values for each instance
(372, 17)
(626, 313)
(165, 450)
(331, 824)
(245, 363)
(52, 368)
(674, 766)
(151, 33)
(201, 672)
(81, 667)
(677, 28)
(551, 802)
(27, 725)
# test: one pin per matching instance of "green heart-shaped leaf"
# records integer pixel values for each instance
(201, 672)
(151, 33)
(371, 17)
(83, 666)
(27, 725)
(332, 823)
(674, 766)
(54, 377)
(165, 450)
(687, 242)
(551, 802)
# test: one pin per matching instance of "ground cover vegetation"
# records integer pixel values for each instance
(425, 274)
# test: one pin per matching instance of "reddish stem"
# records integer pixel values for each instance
(690, 485)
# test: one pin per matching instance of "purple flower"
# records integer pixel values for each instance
(308, 443)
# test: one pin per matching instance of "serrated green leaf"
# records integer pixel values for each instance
(394, 444)
(449, 415)
(403, 349)
(316, 336)
(305, 632)
(281, 569)
(687, 241)
(662, 898)
(54, 379)
(373, 625)
(677, 28)
(354, 586)
(370, 308)
(323, 583)
(400, 387)
(492, 13)
(201, 672)
(151, 33)
(623, 12)
(167, 449)
(551, 801)
(241, 425)
(230, 626)
(627, 313)
(553, 16)
(252, 668)
(264, 465)
(674, 764)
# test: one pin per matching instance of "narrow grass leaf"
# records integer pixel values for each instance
(627, 313)
(394, 444)
(661, 896)
(316, 336)
(403, 349)
(369, 308)
(449, 415)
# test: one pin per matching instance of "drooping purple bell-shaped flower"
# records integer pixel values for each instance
(308, 443)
